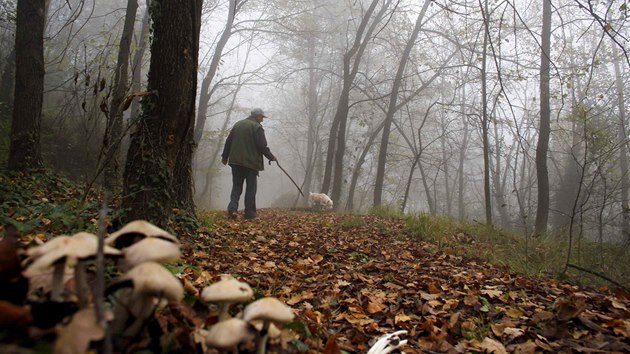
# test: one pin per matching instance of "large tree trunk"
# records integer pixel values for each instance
(25, 150)
(114, 131)
(382, 155)
(542, 147)
(157, 173)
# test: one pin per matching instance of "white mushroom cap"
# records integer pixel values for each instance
(137, 229)
(80, 246)
(273, 331)
(37, 251)
(270, 309)
(228, 333)
(228, 290)
(151, 250)
(152, 279)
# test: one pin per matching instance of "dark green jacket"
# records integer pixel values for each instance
(246, 144)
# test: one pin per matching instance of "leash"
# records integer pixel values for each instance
(286, 173)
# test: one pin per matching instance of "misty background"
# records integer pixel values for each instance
(462, 130)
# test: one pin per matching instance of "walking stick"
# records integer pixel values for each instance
(285, 172)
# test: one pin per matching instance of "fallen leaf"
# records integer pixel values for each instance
(83, 322)
(568, 309)
(514, 312)
(375, 307)
(401, 317)
(331, 346)
(493, 346)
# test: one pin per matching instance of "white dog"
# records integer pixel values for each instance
(320, 200)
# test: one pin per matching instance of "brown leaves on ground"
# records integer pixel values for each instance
(352, 278)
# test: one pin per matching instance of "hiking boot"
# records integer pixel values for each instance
(232, 214)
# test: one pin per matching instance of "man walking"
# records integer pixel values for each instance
(244, 149)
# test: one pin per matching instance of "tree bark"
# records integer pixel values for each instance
(542, 147)
(157, 177)
(25, 150)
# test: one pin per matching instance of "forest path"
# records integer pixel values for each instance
(351, 278)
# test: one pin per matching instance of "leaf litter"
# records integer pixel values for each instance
(349, 282)
(352, 278)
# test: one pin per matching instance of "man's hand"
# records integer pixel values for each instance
(224, 161)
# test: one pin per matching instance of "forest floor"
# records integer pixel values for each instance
(352, 278)
(349, 279)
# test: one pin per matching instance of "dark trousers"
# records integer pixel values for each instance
(242, 174)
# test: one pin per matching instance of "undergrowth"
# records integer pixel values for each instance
(44, 204)
(545, 255)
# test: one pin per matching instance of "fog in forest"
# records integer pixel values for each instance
(433, 107)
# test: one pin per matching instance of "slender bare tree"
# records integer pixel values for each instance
(114, 129)
(382, 155)
(542, 147)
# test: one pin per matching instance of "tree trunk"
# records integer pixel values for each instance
(542, 147)
(136, 77)
(7, 84)
(461, 210)
(25, 150)
(623, 150)
(114, 131)
(157, 174)
(498, 186)
(312, 111)
(358, 165)
(204, 95)
(484, 119)
(337, 138)
(446, 151)
(382, 155)
(427, 189)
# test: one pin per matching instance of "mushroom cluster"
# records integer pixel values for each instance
(259, 319)
(64, 253)
(140, 248)
(146, 285)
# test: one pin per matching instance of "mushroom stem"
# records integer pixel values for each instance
(224, 313)
(261, 339)
(57, 281)
(143, 308)
(81, 283)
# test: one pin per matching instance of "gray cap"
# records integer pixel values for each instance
(258, 112)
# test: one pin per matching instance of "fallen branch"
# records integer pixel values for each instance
(598, 275)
